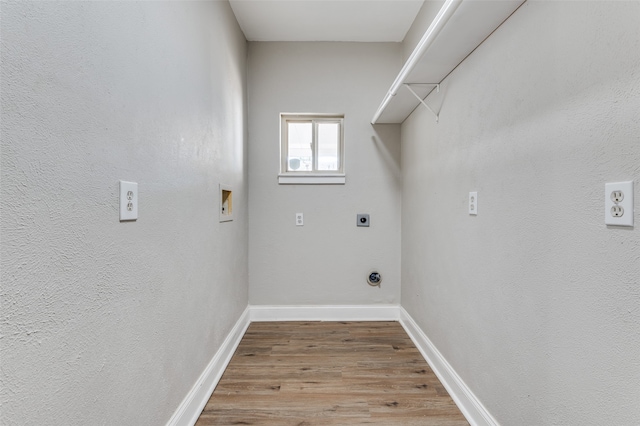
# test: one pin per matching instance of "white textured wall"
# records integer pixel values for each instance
(327, 260)
(106, 322)
(534, 302)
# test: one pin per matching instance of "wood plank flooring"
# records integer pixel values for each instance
(329, 373)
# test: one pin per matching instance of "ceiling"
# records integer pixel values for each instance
(326, 20)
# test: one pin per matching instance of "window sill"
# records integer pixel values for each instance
(317, 179)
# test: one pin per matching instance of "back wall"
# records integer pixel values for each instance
(327, 260)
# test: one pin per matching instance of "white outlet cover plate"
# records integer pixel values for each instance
(299, 219)
(473, 203)
(128, 200)
(627, 203)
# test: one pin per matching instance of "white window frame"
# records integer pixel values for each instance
(314, 176)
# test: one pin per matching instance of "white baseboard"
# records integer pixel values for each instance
(325, 313)
(191, 406)
(471, 407)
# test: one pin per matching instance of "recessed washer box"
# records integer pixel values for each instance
(226, 203)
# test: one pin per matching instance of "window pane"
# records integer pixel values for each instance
(328, 146)
(300, 155)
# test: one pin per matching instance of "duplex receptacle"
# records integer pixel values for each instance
(128, 201)
(618, 203)
(473, 203)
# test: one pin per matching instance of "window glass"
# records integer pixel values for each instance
(328, 146)
(300, 155)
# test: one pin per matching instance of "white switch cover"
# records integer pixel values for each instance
(299, 219)
(618, 203)
(128, 200)
(473, 203)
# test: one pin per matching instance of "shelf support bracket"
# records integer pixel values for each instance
(408, 86)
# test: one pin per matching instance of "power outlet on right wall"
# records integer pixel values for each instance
(618, 203)
(473, 203)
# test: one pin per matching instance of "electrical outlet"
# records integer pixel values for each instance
(473, 203)
(617, 196)
(617, 211)
(362, 219)
(618, 203)
(128, 200)
(299, 219)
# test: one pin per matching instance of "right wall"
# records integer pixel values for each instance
(535, 302)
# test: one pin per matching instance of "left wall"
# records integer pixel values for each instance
(104, 322)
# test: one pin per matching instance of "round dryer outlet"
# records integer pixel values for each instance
(374, 278)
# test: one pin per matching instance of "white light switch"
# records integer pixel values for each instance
(299, 219)
(473, 203)
(128, 200)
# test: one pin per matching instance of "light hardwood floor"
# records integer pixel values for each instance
(329, 373)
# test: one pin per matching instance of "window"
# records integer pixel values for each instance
(311, 148)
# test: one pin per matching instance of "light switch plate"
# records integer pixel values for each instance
(473, 203)
(618, 203)
(128, 200)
